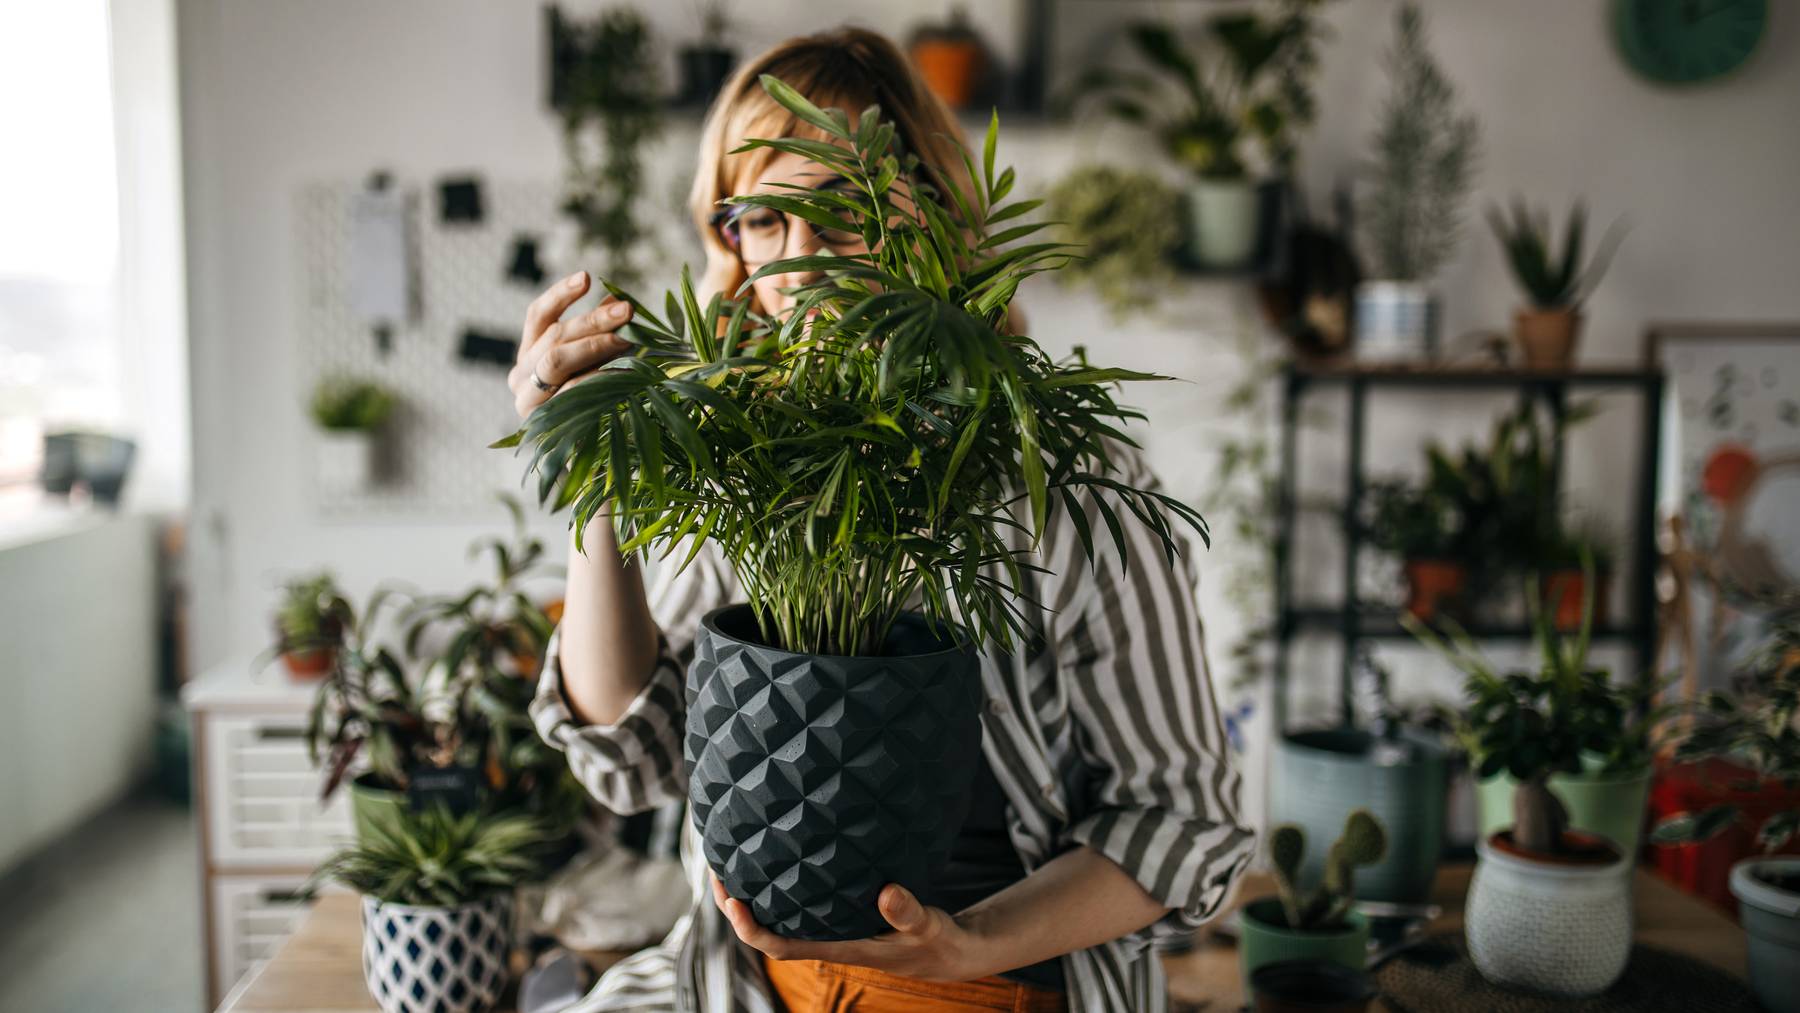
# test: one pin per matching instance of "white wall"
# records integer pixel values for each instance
(277, 94)
(78, 672)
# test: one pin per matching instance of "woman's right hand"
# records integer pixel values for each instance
(554, 352)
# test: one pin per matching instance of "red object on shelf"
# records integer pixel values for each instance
(1704, 869)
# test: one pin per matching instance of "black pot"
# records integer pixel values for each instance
(1311, 986)
(815, 780)
(704, 70)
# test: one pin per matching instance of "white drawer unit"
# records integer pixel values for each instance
(262, 829)
(262, 794)
(251, 916)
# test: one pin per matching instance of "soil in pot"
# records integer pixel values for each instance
(1311, 986)
(1436, 587)
(815, 780)
(1547, 337)
(1264, 938)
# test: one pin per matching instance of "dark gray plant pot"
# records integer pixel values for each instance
(1320, 776)
(817, 780)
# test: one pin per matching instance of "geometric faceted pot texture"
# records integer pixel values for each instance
(1548, 926)
(816, 780)
(437, 959)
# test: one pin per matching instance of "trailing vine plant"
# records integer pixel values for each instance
(887, 438)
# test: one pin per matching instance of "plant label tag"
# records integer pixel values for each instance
(455, 788)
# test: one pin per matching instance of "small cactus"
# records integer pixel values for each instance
(1363, 842)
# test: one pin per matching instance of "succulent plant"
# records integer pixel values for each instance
(1550, 281)
(436, 858)
(1363, 842)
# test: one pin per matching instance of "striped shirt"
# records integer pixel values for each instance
(1102, 731)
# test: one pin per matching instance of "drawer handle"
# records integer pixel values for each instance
(284, 896)
(286, 733)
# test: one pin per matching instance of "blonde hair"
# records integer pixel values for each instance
(846, 68)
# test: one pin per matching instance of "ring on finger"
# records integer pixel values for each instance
(538, 382)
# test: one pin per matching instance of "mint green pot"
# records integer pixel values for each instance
(1264, 938)
(1611, 806)
(371, 804)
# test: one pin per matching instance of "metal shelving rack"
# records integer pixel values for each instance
(1355, 622)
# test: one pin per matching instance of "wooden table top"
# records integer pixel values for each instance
(319, 968)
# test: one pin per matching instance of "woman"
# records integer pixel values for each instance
(1105, 812)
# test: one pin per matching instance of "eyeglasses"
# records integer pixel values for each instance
(759, 235)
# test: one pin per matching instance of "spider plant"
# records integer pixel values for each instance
(1550, 281)
(889, 437)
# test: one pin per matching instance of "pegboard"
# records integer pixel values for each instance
(433, 456)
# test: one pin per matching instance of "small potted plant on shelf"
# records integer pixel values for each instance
(951, 58)
(1563, 578)
(888, 442)
(1312, 924)
(1424, 530)
(309, 625)
(349, 414)
(1250, 84)
(1120, 220)
(707, 62)
(1424, 161)
(1549, 906)
(1759, 727)
(438, 905)
(1547, 329)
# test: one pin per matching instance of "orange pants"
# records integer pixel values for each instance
(816, 986)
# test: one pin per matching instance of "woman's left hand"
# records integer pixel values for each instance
(926, 943)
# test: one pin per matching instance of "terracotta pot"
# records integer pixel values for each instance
(1547, 336)
(1435, 587)
(1562, 591)
(312, 663)
(951, 69)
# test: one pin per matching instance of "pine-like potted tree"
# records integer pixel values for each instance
(888, 443)
(1549, 907)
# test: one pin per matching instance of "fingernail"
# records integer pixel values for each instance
(576, 279)
(618, 310)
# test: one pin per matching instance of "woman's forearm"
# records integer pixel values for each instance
(1078, 899)
(608, 641)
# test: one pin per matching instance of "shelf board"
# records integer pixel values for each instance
(1466, 376)
(1375, 624)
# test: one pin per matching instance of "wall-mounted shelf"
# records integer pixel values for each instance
(1354, 621)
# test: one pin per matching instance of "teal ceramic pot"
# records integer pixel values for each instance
(371, 804)
(1264, 938)
(1612, 806)
(1771, 917)
(1320, 776)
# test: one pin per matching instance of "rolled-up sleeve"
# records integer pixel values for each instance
(1164, 792)
(635, 763)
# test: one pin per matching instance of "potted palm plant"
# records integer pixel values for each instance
(1758, 726)
(1547, 329)
(876, 466)
(1424, 161)
(349, 414)
(438, 905)
(309, 625)
(1549, 906)
(1251, 85)
(1320, 923)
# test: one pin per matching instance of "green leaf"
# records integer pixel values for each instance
(796, 103)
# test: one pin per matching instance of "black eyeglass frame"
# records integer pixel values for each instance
(726, 218)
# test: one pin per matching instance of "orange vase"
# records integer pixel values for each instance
(1562, 591)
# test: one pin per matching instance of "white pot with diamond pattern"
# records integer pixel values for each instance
(1548, 927)
(437, 959)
